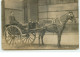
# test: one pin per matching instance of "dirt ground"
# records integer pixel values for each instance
(69, 41)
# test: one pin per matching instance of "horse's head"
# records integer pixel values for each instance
(71, 16)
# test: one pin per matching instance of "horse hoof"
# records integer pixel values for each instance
(59, 46)
(43, 44)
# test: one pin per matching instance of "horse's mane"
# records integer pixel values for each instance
(63, 17)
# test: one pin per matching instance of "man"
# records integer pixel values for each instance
(12, 19)
(32, 25)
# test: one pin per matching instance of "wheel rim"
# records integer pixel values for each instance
(29, 38)
(13, 36)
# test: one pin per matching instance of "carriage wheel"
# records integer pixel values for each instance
(29, 38)
(13, 36)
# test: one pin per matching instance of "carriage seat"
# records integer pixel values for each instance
(32, 25)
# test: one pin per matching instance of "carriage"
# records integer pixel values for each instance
(18, 35)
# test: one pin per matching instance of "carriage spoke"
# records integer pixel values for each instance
(14, 42)
(31, 38)
(10, 41)
(25, 40)
(28, 40)
(7, 38)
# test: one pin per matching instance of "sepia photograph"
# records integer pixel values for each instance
(40, 24)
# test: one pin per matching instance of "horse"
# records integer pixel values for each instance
(58, 27)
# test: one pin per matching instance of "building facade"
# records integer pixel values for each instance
(41, 10)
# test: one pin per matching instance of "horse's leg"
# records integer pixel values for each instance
(42, 39)
(39, 39)
(59, 40)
